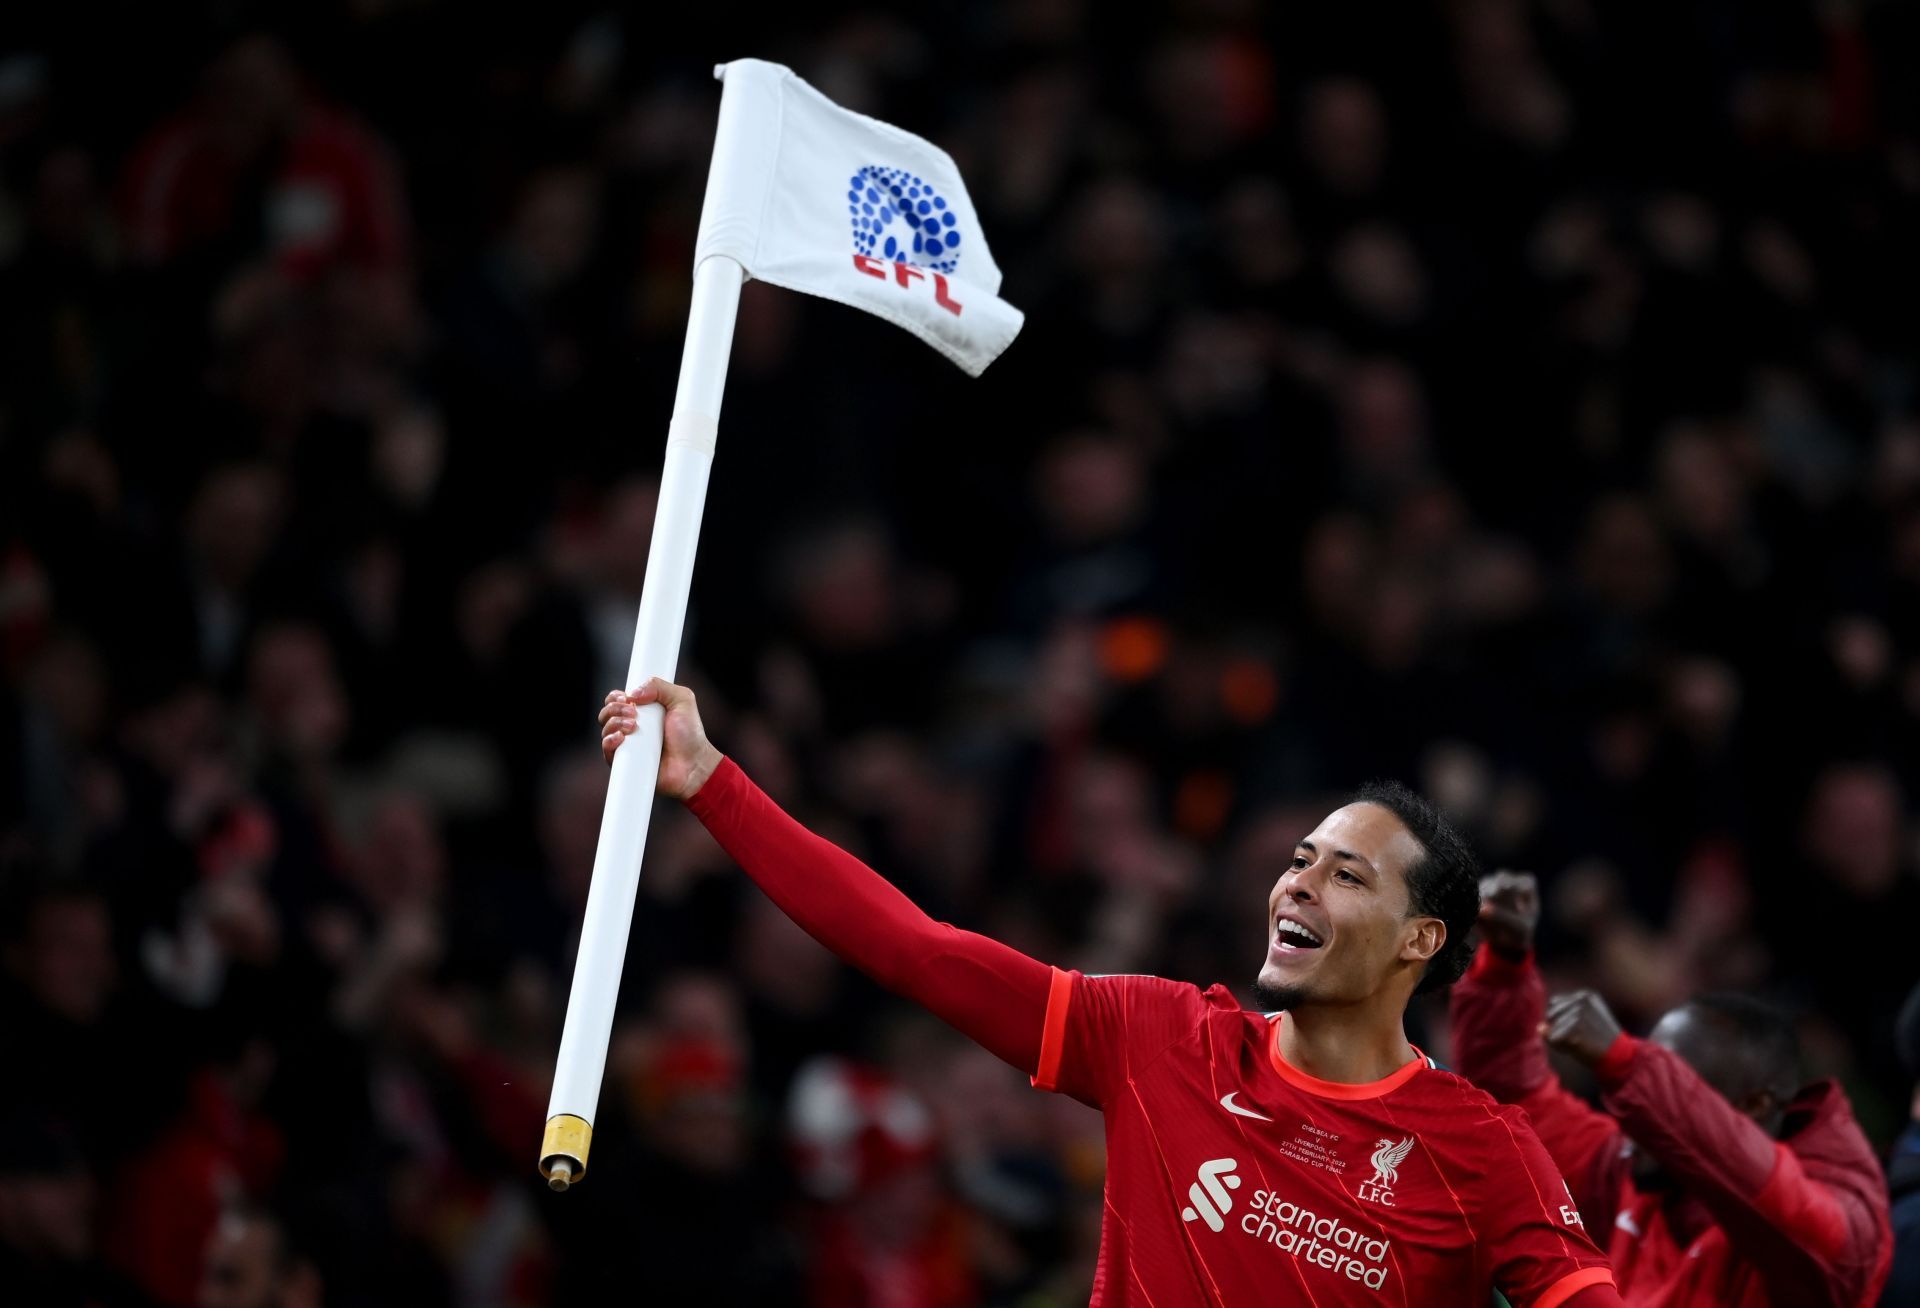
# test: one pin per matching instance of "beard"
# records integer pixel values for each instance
(1273, 997)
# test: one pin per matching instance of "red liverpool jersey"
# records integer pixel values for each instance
(1234, 1179)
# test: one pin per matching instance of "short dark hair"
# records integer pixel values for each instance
(1443, 883)
(1762, 1049)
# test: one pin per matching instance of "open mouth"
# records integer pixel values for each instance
(1289, 934)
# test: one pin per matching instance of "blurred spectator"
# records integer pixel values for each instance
(166, 1202)
(230, 534)
(693, 1199)
(1858, 839)
(65, 1014)
(885, 1232)
(1904, 1170)
(258, 164)
(252, 1263)
(47, 1199)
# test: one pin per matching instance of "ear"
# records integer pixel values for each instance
(1425, 938)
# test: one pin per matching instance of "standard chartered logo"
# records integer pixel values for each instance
(1318, 1241)
(1327, 1242)
(1209, 1194)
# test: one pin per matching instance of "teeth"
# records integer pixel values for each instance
(1294, 928)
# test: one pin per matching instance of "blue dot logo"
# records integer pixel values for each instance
(928, 236)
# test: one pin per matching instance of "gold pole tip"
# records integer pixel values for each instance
(563, 1151)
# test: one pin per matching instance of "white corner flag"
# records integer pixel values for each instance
(816, 198)
(805, 195)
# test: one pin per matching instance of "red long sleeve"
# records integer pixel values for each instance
(1497, 1009)
(1814, 1228)
(993, 994)
(1805, 1216)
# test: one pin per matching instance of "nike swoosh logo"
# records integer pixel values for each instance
(1226, 1102)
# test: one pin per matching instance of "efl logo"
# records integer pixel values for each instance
(926, 239)
(905, 273)
(1387, 1157)
(928, 233)
(1209, 1193)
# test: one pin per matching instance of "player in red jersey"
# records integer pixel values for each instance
(1717, 1178)
(1308, 1155)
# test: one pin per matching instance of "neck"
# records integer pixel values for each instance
(1347, 1045)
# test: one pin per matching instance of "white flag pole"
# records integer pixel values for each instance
(782, 154)
(656, 653)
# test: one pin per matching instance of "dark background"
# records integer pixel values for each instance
(1519, 399)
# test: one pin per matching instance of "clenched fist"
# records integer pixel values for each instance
(687, 757)
(1581, 1026)
(1509, 912)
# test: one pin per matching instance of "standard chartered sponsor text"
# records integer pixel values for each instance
(1319, 1241)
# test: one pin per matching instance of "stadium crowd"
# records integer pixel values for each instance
(1519, 399)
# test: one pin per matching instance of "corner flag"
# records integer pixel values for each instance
(805, 195)
(816, 198)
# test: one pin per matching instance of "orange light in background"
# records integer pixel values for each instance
(1133, 649)
(1249, 691)
(1201, 804)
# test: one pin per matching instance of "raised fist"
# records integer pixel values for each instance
(1509, 912)
(1580, 1025)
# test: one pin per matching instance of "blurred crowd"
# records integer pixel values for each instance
(1518, 398)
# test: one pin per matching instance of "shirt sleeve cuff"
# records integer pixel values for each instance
(1491, 965)
(1571, 1284)
(1800, 1207)
(1053, 1031)
(1614, 1065)
(726, 779)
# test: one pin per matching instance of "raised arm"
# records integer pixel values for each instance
(1497, 1011)
(991, 993)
